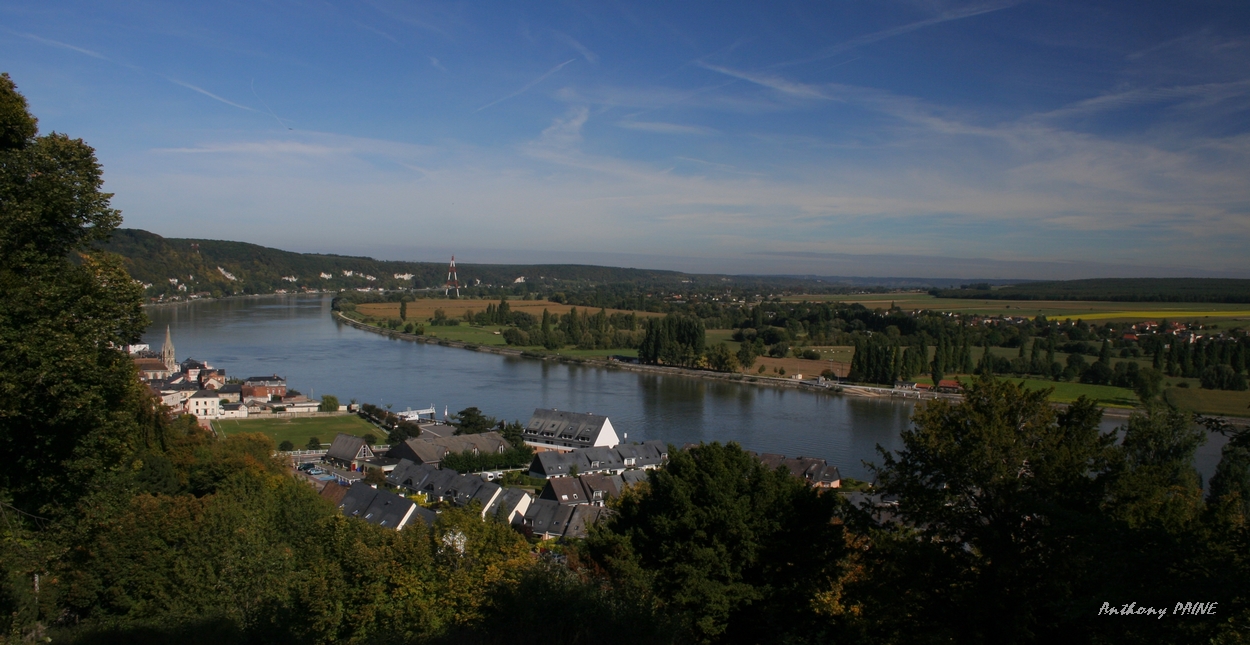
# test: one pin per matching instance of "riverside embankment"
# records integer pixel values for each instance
(827, 387)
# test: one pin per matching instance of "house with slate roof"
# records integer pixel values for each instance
(564, 431)
(817, 473)
(564, 490)
(232, 392)
(151, 369)
(593, 489)
(581, 518)
(431, 450)
(382, 508)
(444, 485)
(613, 461)
(348, 451)
(546, 519)
(510, 505)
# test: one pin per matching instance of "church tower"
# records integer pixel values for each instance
(167, 352)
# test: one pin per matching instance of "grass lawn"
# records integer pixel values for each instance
(468, 334)
(298, 430)
(1195, 399)
(1065, 392)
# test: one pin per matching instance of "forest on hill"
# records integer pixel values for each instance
(222, 268)
(1226, 290)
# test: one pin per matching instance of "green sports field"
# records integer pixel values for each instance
(298, 430)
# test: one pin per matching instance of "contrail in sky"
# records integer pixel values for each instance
(57, 43)
(209, 94)
(88, 52)
(528, 85)
(866, 39)
(262, 102)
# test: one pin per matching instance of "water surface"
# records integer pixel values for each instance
(295, 337)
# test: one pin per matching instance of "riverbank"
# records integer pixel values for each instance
(604, 363)
(861, 391)
(249, 296)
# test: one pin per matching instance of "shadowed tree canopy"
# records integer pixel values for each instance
(69, 398)
(736, 548)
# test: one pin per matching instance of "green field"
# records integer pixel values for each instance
(485, 335)
(1054, 309)
(468, 334)
(1194, 399)
(298, 430)
(1065, 392)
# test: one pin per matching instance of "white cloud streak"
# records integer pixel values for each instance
(210, 94)
(876, 36)
(57, 43)
(590, 56)
(528, 85)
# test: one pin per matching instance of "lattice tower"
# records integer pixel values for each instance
(453, 281)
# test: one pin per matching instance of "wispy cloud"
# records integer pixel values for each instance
(528, 85)
(778, 83)
(876, 36)
(311, 144)
(376, 31)
(659, 127)
(434, 62)
(1205, 93)
(566, 130)
(590, 56)
(258, 148)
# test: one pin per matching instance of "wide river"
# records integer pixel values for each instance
(295, 337)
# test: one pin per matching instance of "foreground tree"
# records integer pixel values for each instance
(733, 548)
(70, 405)
(1015, 522)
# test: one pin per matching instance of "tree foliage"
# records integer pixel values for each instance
(673, 340)
(732, 547)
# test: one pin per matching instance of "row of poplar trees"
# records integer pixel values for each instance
(880, 358)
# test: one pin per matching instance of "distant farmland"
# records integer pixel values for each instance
(1054, 309)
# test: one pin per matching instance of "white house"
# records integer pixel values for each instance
(204, 404)
(566, 431)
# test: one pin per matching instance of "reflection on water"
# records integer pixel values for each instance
(294, 336)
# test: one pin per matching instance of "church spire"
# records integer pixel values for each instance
(167, 352)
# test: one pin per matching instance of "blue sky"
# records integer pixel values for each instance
(909, 138)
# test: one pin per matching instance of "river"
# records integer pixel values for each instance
(295, 337)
